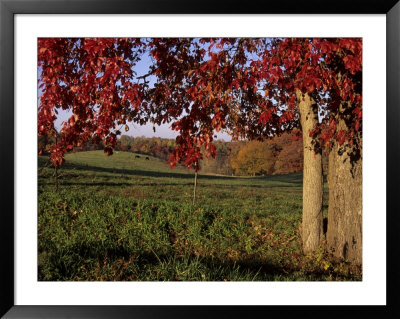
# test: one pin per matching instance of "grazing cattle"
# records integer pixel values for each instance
(137, 156)
(147, 159)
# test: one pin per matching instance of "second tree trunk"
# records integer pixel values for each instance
(311, 228)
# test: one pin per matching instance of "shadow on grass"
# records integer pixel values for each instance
(113, 184)
(295, 179)
(178, 184)
(145, 173)
(66, 263)
(72, 179)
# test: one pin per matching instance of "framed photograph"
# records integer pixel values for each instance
(69, 271)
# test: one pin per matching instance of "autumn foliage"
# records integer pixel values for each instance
(246, 87)
(93, 79)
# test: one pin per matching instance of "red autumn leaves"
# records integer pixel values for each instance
(245, 86)
(92, 79)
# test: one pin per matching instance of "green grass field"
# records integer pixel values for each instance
(127, 218)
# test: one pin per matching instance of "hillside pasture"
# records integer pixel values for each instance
(123, 217)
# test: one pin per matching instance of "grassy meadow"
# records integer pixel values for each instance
(127, 218)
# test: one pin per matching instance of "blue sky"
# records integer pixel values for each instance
(136, 130)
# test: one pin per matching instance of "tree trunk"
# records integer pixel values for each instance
(311, 229)
(194, 188)
(56, 176)
(344, 235)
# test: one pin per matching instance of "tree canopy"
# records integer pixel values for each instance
(247, 87)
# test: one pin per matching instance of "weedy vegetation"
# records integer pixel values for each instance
(125, 218)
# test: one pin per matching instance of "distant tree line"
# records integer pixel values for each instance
(280, 155)
(154, 146)
(46, 141)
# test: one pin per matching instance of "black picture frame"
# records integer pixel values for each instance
(8, 8)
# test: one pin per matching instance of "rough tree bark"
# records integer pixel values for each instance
(311, 229)
(344, 234)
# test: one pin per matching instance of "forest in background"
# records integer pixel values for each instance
(282, 154)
